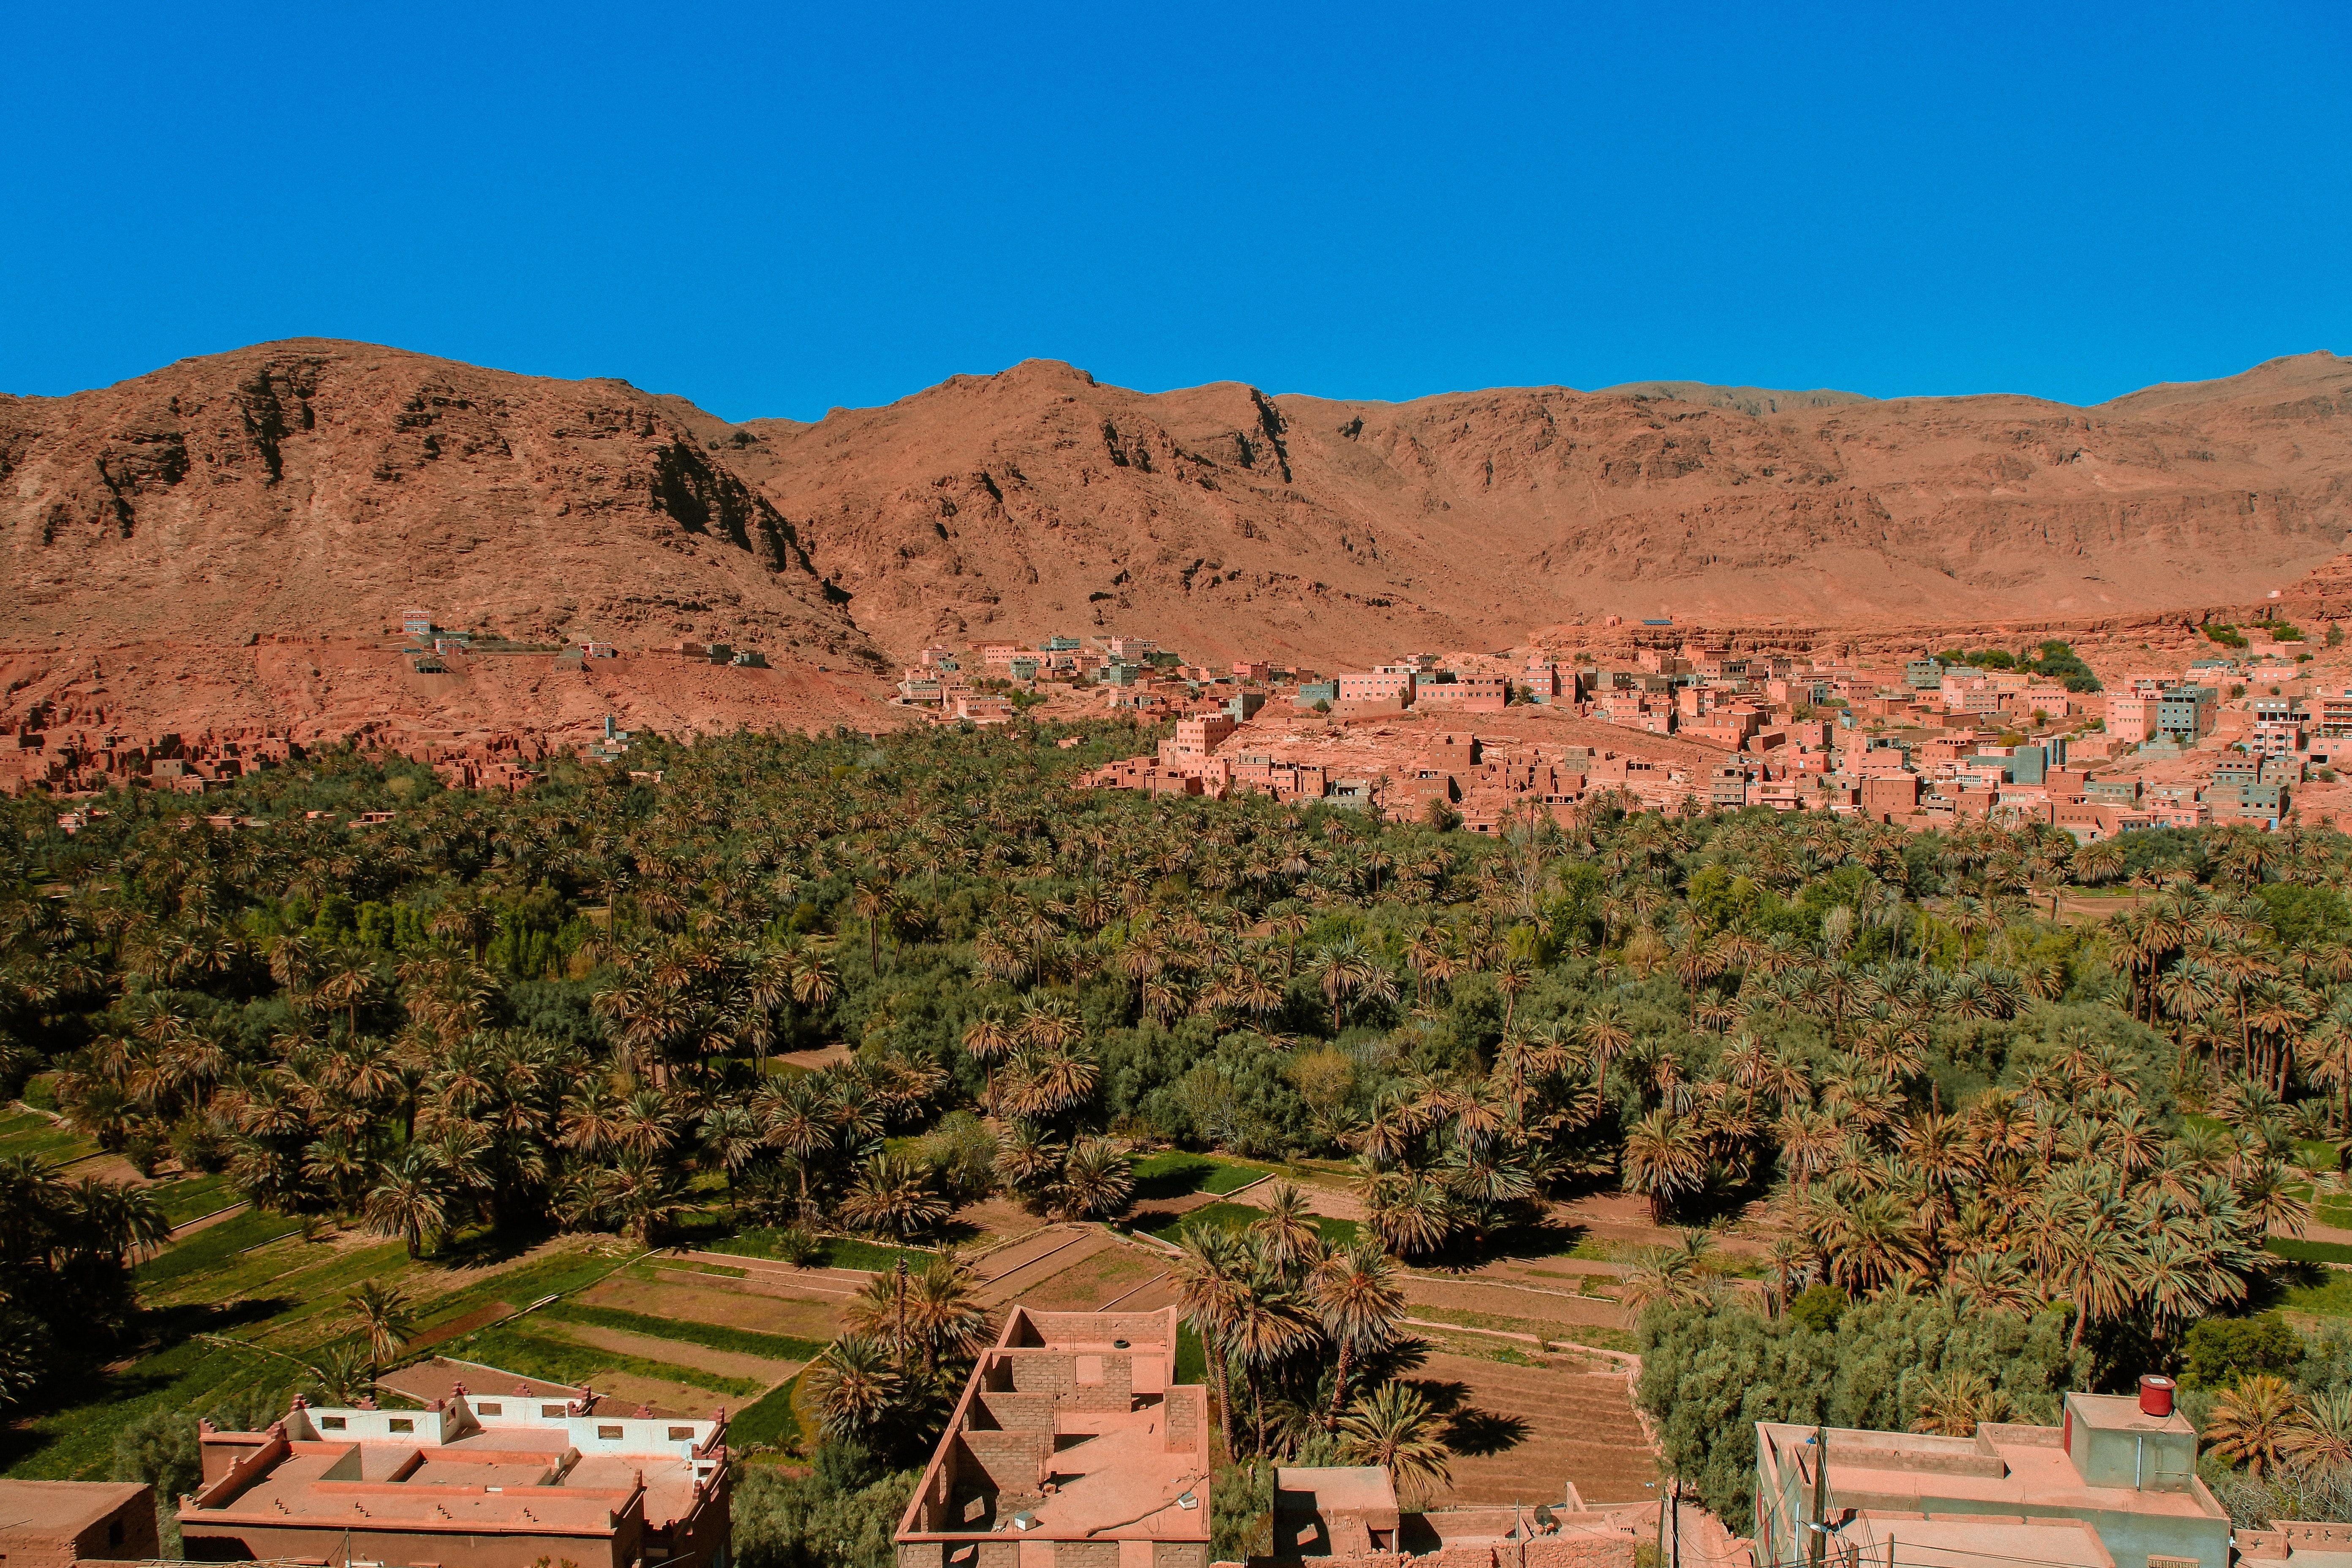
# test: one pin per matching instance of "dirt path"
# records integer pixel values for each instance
(187, 1229)
(1625, 1219)
(624, 1391)
(2314, 1231)
(816, 1061)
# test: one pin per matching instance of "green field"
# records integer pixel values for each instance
(535, 1352)
(247, 1305)
(1172, 1176)
(833, 1252)
(29, 1132)
(2330, 1297)
(1226, 1216)
(193, 1197)
(687, 1331)
(2309, 1251)
(771, 1421)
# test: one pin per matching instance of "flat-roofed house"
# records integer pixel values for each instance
(2117, 1483)
(55, 1524)
(469, 1482)
(1072, 1447)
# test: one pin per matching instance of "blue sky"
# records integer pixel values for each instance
(773, 210)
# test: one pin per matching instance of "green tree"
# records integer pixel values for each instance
(2219, 1351)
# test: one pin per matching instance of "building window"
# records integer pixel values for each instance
(550, 1410)
(403, 1423)
(331, 1423)
(681, 1434)
(490, 1407)
(608, 1432)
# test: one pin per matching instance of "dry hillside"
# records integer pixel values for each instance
(320, 488)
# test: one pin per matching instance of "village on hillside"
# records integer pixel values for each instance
(2245, 733)
(2243, 729)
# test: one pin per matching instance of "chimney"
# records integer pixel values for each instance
(2155, 1395)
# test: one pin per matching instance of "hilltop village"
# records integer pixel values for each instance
(2243, 732)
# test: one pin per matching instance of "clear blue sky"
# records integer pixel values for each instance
(772, 210)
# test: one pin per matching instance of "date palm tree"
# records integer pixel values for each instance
(1286, 1234)
(1096, 1181)
(1395, 1427)
(1953, 1402)
(1358, 1294)
(2255, 1422)
(854, 1385)
(1664, 1160)
(1211, 1275)
(382, 1317)
(2323, 1440)
(409, 1199)
(893, 1196)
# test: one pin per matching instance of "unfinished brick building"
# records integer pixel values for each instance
(1072, 1447)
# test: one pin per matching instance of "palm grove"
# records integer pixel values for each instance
(500, 1014)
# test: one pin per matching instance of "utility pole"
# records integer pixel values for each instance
(1678, 1521)
(1818, 1545)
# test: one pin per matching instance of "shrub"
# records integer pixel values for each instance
(841, 1515)
(2220, 1351)
(1818, 1308)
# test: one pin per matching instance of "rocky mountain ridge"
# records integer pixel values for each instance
(316, 488)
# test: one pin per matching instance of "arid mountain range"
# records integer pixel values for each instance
(318, 488)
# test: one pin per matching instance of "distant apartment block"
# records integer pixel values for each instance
(979, 709)
(1464, 693)
(2131, 717)
(1386, 685)
(2186, 713)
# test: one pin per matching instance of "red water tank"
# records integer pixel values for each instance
(2155, 1395)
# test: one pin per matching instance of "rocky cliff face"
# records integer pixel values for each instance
(1225, 519)
(319, 488)
(316, 485)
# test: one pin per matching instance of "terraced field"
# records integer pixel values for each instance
(1522, 1432)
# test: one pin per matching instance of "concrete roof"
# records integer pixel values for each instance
(1339, 1488)
(1123, 1482)
(61, 1508)
(403, 1492)
(1893, 1472)
(1110, 1474)
(1950, 1541)
(2121, 1413)
(506, 1477)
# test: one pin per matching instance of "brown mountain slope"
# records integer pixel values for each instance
(314, 487)
(318, 487)
(1224, 520)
